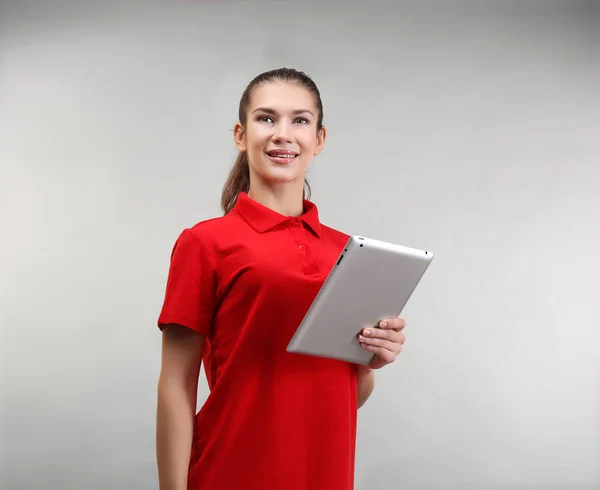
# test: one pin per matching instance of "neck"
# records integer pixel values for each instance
(285, 199)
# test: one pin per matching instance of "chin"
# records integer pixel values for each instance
(280, 173)
(280, 178)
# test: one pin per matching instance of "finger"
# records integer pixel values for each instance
(378, 333)
(385, 354)
(395, 347)
(392, 335)
(393, 324)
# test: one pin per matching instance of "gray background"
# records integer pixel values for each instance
(470, 129)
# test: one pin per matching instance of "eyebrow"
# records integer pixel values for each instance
(271, 111)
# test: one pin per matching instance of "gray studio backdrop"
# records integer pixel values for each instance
(468, 129)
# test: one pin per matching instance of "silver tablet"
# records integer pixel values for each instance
(371, 280)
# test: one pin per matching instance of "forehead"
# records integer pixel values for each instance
(282, 96)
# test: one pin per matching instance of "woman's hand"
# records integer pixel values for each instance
(385, 341)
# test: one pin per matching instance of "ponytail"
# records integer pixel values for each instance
(237, 181)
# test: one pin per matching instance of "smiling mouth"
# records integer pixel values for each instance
(282, 156)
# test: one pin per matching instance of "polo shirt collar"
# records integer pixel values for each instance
(262, 218)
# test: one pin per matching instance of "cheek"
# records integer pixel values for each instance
(257, 137)
(307, 138)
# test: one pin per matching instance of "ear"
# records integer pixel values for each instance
(239, 137)
(321, 137)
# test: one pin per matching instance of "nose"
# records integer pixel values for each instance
(282, 133)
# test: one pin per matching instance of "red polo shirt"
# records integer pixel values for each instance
(273, 420)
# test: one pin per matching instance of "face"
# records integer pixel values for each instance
(280, 135)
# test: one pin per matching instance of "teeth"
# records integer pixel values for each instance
(282, 155)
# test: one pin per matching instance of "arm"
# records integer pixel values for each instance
(182, 350)
(366, 383)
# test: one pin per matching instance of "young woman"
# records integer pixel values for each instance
(238, 287)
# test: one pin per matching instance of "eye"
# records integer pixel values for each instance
(264, 118)
(302, 120)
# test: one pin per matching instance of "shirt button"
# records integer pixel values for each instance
(302, 247)
(295, 224)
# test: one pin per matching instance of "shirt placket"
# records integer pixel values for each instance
(307, 258)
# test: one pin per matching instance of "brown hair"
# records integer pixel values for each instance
(239, 177)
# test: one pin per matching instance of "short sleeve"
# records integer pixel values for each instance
(191, 285)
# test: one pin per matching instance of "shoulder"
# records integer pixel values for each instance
(204, 234)
(216, 228)
(208, 229)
